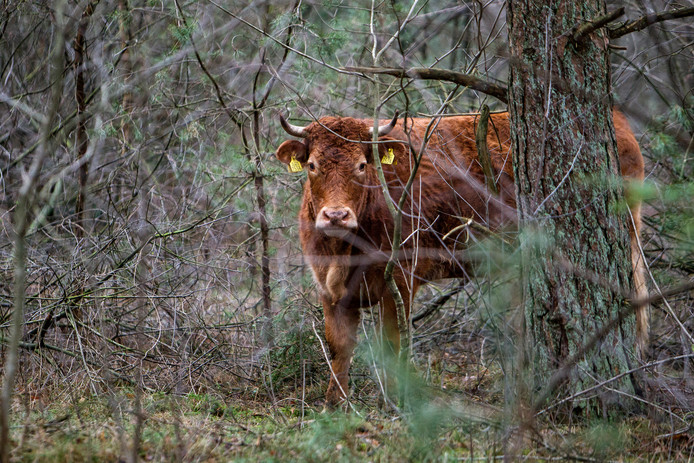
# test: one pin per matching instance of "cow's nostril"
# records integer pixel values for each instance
(331, 219)
(336, 214)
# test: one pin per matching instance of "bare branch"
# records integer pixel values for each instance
(466, 80)
(589, 27)
(648, 20)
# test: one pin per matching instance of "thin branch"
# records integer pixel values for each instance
(218, 91)
(277, 41)
(466, 80)
(17, 104)
(395, 36)
(613, 379)
(438, 302)
(648, 20)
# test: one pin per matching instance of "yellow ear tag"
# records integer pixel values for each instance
(389, 157)
(295, 166)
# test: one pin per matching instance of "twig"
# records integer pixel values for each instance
(394, 37)
(26, 109)
(217, 90)
(33, 346)
(438, 302)
(277, 41)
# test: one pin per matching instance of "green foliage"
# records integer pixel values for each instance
(283, 20)
(234, 160)
(332, 42)
(182, 33)
(206, 404)
(674, 220)
(606, 439)
(297, 357)
(682, 116)
(663, 145)
(677, 219)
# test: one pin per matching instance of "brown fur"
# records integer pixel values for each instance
(348, 263)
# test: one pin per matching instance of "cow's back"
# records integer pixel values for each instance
(452, 158)
(450, 185)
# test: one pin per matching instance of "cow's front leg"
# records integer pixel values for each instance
(341, 333)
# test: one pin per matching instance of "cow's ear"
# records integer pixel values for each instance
(292, 149)
(389, 153)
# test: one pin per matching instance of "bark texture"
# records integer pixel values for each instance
(575, 244)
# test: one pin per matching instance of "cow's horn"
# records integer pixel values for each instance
(385, 129)
(294, 130)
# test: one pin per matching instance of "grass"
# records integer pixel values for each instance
(192, 428)
(203, 428)
(461, 421)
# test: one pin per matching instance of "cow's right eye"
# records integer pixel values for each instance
(311, 167)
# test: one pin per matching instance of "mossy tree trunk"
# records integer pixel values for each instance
(575, 242)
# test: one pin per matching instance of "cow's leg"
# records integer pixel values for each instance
(341, 333)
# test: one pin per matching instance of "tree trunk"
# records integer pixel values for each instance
(575, 242)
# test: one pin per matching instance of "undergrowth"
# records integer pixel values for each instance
(201, 428)
(452, 414)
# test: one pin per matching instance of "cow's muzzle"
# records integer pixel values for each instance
(336, 220)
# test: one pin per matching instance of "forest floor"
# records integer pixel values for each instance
(202, 428)
(457, 417)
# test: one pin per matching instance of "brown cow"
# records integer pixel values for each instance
(346, 228)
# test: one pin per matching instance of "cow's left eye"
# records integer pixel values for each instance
(362, 167)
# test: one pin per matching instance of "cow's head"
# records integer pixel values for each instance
(337, 155)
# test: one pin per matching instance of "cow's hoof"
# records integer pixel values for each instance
(334, 400)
